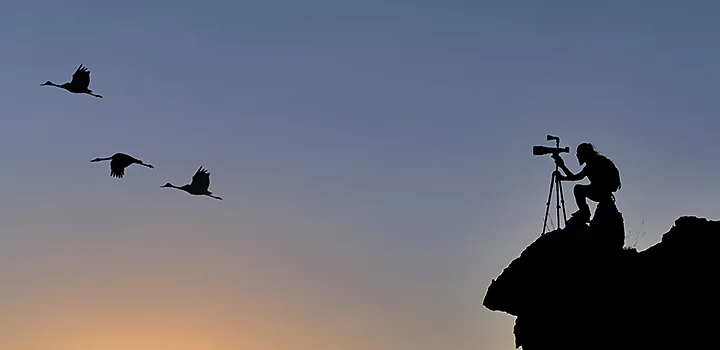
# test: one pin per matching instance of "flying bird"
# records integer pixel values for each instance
(198, 186)
(120, 161)
(79, 83)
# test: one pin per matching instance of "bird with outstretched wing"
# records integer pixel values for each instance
(198, 186)
(79, 83)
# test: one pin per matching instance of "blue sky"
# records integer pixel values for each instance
(374, 157)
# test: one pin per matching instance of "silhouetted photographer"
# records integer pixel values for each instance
(603, 175)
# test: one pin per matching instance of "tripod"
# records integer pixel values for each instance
(559, 199)
(555, 180)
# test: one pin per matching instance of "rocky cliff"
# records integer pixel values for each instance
(579, 288)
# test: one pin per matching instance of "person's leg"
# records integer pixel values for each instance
(581, 193)
(597, 194)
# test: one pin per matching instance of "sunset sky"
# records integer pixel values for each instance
(375, 160)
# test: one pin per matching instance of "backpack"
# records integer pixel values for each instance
(610, 174)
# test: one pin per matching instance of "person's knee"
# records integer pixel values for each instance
(580, 190)
(596, 194)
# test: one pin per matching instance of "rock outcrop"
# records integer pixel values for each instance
(579, 288)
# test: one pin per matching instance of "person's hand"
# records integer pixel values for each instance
(557, 174)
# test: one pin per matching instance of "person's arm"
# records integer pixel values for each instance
(569, 176)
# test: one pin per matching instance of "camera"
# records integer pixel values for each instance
(555, 151)
(543, 150)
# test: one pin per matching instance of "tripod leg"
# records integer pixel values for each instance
(562, 199)
(547, 205)
(557, 200)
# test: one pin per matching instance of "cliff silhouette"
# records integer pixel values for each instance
(579, 288)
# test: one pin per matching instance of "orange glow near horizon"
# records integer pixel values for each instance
(189, 294)
(253, 282)
(75, 324)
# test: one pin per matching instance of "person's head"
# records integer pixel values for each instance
(585, 152)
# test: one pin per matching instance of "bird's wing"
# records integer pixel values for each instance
(201, 179)
(117, 168)
(81, 77)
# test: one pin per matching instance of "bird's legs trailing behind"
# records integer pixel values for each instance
(89, 92)
(210, 195)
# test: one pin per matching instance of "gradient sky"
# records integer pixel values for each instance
(374, 157)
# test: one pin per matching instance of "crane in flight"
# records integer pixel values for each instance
(120, 161)
(79, 83)
(199, 185)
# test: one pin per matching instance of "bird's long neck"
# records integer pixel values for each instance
(101, 159)
(53, 84)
